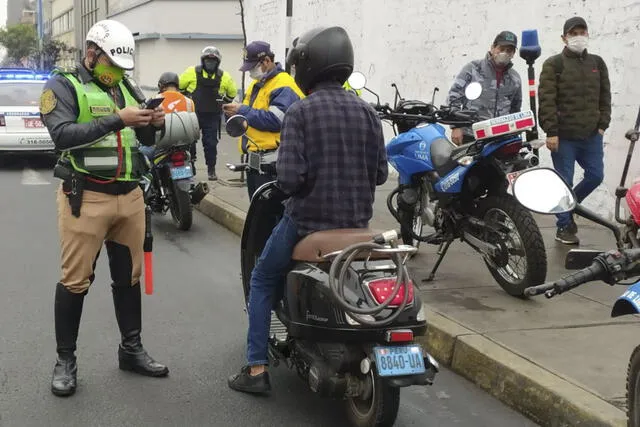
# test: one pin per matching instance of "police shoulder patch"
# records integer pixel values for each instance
(48, 101)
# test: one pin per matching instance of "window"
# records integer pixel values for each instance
(89, 14)
(20, 94)
(62, 23)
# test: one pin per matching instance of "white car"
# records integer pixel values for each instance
(21, 128)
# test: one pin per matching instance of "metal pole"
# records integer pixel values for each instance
(40, 28)
(533, 133)
(287, 36)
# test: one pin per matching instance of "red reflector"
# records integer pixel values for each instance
(520, 124)
(400, 336)
(480, 133)
(3, 122)
(500, 129)
(381, 289)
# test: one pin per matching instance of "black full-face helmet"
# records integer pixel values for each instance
(321, 54)
(168, 78)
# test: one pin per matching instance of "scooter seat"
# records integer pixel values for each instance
(314, 246)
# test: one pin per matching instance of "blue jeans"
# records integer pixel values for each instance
(209, 123)
(589, 154)
(268, 274)
(147, 151)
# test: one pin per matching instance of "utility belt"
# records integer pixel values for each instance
(74, 183)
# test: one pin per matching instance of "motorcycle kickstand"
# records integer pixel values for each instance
(442, 251)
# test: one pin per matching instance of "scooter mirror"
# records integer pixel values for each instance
(473, 91)
(543, 191)
(357, 80)
(236, 125)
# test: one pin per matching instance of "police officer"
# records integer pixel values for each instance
(268, 98)
(93, 117)
(209, 86)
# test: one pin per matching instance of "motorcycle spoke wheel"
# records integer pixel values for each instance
(523, 261)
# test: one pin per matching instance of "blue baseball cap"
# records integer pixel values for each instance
(254, 53)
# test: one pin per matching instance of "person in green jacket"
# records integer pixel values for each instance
(575, 111)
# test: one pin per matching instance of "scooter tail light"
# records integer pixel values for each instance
(381, 289)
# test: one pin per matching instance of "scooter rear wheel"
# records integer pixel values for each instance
(633, 389)
(380, 409)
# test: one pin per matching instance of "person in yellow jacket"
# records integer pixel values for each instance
(268, 97)
(209, 87)
(348, 88)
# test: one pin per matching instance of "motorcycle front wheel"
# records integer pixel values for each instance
(633, 389)
(180, 207)
(379, 409)
(522, 260)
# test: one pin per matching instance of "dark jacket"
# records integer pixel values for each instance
(575, 95)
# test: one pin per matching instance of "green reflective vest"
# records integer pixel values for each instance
(100, 157)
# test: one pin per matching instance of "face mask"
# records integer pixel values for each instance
(577, 44)
(503, 58)
(211, 65)
(108, 75)
(257, 73)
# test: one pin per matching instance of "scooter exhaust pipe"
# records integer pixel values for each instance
(198, 192)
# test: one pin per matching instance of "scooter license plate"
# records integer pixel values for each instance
(181, 172)
(401, 360)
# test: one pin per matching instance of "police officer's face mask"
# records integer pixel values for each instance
(108, 74)
(210, 65)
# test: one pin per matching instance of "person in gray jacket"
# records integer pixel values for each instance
(501, 85)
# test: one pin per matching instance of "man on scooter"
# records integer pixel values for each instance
(331, 157)
(174, 101)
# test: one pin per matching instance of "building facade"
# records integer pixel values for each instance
(171, 34)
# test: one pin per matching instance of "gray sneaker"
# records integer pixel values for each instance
(573, 227)
(567, 235)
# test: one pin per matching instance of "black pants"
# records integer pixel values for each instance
(209, 124)
(255, 180)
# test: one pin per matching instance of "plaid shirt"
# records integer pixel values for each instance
(331, 157)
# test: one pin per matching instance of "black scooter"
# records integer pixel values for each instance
(348, 314)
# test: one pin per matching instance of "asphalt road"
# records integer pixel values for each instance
(194, 323)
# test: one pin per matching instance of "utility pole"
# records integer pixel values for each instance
(288, 28)
(40, 29)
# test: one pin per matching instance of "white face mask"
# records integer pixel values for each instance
(256, 73)
(577, 44)
(503, 58)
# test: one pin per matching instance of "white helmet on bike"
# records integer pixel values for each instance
(115, 40)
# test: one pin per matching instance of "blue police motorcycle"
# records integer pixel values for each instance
(463, 192)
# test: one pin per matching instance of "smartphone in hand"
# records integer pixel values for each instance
(153, 103)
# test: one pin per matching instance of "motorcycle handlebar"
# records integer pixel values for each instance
(601, 268)
(594, 272)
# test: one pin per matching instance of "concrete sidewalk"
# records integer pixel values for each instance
(562, 362)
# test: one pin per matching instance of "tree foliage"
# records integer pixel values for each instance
(19, 40)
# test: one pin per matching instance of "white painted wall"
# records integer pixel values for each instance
(423, 44)
(155, 56)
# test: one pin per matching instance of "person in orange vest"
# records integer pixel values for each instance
(174, 101)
